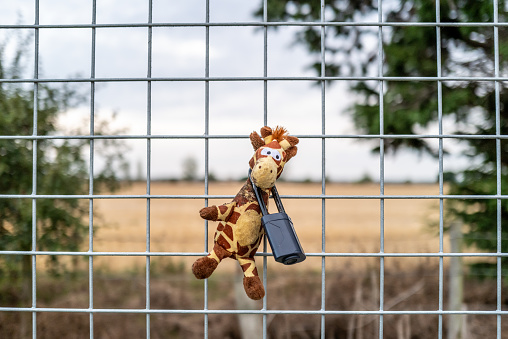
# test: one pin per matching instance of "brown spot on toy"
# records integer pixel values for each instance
(254, 207)
(223, 209)
(245, 267)
(223, 242)
(228, 231)
(234, 217)
(242, 250)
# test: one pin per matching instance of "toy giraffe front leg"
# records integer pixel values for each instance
(251, 282)
(215, 213)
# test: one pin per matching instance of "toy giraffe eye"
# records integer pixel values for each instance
(271, 152)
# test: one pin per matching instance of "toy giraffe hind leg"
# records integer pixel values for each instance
(251, 282)
(204, 266)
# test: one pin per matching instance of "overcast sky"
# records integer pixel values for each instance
(235, 107)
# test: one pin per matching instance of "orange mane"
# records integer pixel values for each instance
(279, 134)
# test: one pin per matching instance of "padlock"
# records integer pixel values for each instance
(279, 230)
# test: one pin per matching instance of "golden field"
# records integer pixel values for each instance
(351, 225)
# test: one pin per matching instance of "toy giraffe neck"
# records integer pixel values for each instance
(246, 194)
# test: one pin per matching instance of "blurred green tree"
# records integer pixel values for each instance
(411, 107)
(62, 168)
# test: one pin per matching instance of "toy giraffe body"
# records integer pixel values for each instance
(238, 236)
(239, 232)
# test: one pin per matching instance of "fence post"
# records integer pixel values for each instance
(455, 322)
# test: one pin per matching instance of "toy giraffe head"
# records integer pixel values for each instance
(272, 152)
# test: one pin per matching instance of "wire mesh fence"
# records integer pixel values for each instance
(324, 312)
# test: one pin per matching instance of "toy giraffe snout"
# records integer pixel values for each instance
(264, 173)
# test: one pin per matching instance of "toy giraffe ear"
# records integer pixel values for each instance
(291, 152)
(289, 145)
(289, 142)
(266, 131)
(256, 141)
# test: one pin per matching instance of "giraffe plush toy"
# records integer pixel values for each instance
(239, 231)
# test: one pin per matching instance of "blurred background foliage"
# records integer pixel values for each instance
(62, 166)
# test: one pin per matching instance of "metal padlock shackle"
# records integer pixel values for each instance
(261, 202)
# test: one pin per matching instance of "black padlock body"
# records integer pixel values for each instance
(283, 239)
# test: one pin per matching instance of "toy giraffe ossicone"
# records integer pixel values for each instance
(239, 231)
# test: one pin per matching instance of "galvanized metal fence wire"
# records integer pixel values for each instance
(265, 25)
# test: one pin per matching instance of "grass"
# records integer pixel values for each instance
(414, 288)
